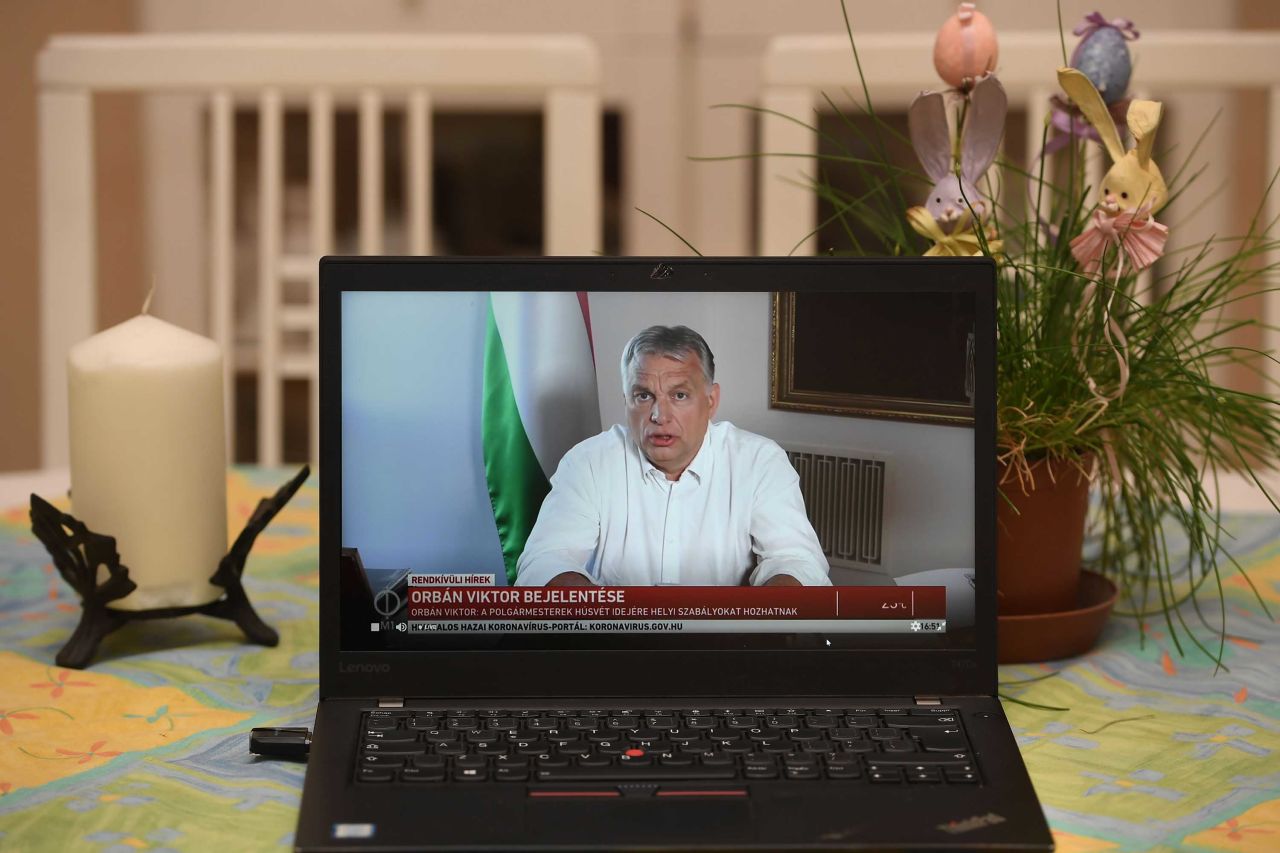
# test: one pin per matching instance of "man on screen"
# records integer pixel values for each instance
(673, 498)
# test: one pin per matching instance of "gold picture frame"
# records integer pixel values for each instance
(796, 384)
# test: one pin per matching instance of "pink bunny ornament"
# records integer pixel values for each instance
(1133, 188)
(955, 201)
(1132, 191)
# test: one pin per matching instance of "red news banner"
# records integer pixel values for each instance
(685, 602)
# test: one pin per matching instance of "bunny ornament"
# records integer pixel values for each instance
(955, 207)
(1132, 190)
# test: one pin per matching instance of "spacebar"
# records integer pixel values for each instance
(622, 774)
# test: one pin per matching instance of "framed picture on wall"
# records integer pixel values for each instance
(868, 355)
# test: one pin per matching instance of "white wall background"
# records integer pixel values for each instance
(414, 494)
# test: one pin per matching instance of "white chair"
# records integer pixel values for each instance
(798, 69)
(558, 73)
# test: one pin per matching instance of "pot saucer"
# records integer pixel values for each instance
(1030, 637)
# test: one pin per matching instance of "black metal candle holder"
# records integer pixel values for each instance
(78, 552)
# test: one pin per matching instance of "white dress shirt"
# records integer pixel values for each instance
(735, 516)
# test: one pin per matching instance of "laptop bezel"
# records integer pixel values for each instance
(627, 672)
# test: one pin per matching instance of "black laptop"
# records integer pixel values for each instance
(660, 554)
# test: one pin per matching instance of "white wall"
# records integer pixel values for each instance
(414, 493)
(929, 493)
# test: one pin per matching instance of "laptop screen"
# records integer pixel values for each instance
(705, 469)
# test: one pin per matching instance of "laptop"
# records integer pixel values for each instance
(660, 554)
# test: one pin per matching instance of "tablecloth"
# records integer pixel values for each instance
(148, 748)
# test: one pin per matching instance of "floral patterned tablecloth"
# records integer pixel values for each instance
(147, 749)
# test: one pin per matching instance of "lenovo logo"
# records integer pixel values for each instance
(366, 668)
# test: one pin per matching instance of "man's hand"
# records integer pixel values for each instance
(776, 580)
(570, 579)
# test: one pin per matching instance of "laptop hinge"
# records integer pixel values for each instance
(928, 700)
(391, 703)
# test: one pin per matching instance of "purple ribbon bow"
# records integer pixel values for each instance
(1095, 21)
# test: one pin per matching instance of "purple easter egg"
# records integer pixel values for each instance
(1103, 57)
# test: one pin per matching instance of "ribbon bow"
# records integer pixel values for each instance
(1134, 232)
(962, 242)
(1139, 239)
(1094, 21)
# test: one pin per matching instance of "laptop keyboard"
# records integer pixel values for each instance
(879, 745)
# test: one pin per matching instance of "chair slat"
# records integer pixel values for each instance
(418, 175)
(321, 180)
(270, 176)
(370, 208)
(787, 211)
(221, 248)
(1036, 106)
(68, 250)
(572, 176)
(1271, 339)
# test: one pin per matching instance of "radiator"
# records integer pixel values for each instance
(844, 497)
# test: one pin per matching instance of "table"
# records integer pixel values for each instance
(148, 748)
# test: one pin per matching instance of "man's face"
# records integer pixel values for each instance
(669, 406)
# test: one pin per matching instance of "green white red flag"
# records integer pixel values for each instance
(539, 400)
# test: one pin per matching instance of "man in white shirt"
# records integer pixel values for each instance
(673, 498)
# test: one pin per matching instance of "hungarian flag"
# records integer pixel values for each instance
(539, 401)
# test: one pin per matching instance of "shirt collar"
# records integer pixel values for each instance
(700, 467)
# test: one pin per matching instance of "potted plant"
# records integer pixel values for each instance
(1105, 385)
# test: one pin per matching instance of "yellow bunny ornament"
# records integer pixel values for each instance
(1132, 190)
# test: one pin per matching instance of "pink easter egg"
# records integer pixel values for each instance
(966, 47)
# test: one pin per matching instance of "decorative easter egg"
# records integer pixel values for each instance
(965, 48)
(1103, 57)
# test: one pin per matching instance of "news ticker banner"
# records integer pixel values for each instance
(672, 626)
(433, 606)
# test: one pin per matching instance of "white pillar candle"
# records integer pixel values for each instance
(148, 456)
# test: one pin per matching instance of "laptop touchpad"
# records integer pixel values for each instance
(629, 820)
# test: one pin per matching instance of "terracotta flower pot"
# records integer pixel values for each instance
(1038, 547)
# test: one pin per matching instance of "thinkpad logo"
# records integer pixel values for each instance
(363, 667)
(955, 827)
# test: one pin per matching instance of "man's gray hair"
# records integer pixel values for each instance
(677, 342)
